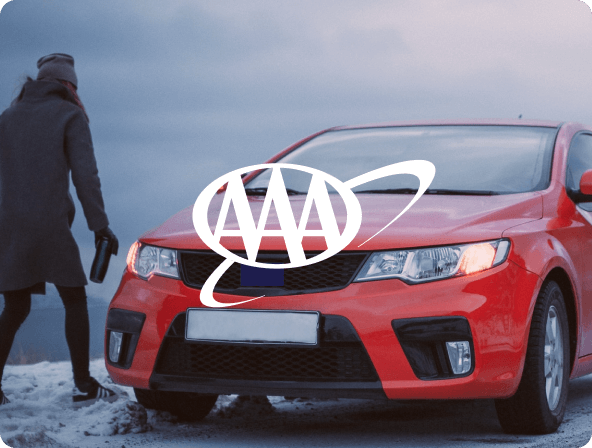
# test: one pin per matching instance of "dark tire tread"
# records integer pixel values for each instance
(527, 412)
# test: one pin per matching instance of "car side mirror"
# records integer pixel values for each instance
(586, 183)
(584, 193)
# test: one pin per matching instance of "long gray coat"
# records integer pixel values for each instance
(42, 139)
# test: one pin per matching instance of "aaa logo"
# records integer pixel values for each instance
(292, 233)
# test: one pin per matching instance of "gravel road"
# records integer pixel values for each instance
(359, 423)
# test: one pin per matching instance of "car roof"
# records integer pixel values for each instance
(458, 122)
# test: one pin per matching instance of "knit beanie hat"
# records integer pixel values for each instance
(57, 66)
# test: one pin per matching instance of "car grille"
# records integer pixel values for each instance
(333, 273)
(343, 360)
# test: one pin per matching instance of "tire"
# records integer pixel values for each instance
(190, 407)
(539, 404)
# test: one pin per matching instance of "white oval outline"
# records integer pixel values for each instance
(202, 227)
(422, 169)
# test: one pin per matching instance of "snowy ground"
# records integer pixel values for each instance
(40, 416)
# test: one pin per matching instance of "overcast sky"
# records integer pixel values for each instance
(180, 92)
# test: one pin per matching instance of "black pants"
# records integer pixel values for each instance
(17, 305)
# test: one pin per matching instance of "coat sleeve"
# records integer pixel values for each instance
(85, 175)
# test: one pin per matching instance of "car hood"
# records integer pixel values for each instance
(432, 220)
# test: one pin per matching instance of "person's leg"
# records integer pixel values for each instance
(17, 305)
(77, 330)
(87, 389)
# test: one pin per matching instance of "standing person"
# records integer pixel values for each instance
(44, 135)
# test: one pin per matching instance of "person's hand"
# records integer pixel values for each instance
(107, 233)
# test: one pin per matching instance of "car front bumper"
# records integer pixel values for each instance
(497, 304)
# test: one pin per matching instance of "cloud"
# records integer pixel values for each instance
(182, 91)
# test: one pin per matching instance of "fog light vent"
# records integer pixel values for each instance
(115, 340)
(437, 348)
(459, 354)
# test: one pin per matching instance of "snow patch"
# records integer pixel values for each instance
(29, 439)
(124, 417)
(41, 411)
(41, 415)
(243, 406)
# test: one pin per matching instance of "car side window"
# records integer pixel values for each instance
(579, 160)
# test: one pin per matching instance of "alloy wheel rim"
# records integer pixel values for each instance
(553, 358)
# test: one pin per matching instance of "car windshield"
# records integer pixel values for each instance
(478, 160)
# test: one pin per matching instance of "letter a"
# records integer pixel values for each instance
(318, 193)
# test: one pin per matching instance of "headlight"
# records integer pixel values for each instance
(145, 260)
(434, 263)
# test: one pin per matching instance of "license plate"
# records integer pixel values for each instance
(252, 326)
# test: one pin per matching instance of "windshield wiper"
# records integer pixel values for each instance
(441, 191)
(444, 191)
(390, 191)
(263, 191)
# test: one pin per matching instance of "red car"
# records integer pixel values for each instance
(481, 289)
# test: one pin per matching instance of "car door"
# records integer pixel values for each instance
(579, 161)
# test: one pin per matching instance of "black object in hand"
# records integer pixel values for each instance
(101, 260)
(106, 232)
(106, 244)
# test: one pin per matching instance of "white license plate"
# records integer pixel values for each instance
(252, 326)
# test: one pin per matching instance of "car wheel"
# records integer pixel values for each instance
(539, 404)
(186, 406)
